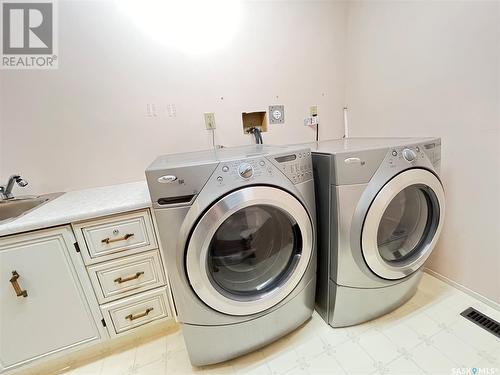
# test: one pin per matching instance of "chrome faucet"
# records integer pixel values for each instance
(6, 190)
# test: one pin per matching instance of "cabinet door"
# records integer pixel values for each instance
(51, 313)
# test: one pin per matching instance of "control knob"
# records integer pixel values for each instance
(245, 170)
(409, 155)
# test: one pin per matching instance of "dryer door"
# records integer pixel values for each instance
(249, 250)
(403, 224)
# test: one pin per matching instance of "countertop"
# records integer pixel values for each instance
(80, 205)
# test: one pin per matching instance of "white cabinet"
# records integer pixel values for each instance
(51, 312)
(126, 270)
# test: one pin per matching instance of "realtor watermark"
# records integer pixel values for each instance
(29, 34)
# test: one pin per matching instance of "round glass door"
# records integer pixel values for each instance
(249, 250)
(408, 224)
(253, 251)
(403, 223)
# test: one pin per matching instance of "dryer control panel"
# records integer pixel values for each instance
(406, 155)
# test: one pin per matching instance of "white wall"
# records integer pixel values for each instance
(433, 68)
(85, 124)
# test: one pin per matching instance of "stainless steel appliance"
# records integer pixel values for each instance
(380, 205)
(237, 227)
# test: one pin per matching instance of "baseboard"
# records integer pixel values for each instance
(464, 289)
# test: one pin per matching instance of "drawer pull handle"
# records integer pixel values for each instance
(141, 315)
(129, 278)
(108, 240)
(19, 292)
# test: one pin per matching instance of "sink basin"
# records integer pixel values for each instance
(11, 209)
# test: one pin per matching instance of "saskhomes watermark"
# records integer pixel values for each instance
(29, 34)
(474, 371)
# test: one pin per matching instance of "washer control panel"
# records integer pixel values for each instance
(243, 170)
(296, 166)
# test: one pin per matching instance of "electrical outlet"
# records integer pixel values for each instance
(313, 110)
(276, 114)
(151, 110)
(171, 110)
(311, 121)
(209, 120)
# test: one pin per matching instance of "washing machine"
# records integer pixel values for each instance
(380, 205)
(237, 228)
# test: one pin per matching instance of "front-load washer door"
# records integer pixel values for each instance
(403, 224)
(249, 250)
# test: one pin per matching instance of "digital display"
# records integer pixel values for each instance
(429, 146)
(285, 158)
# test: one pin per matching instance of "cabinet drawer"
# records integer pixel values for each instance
(126, 276)
(135, 311)
(116, 236)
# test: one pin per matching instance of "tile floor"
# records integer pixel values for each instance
(425, 336)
